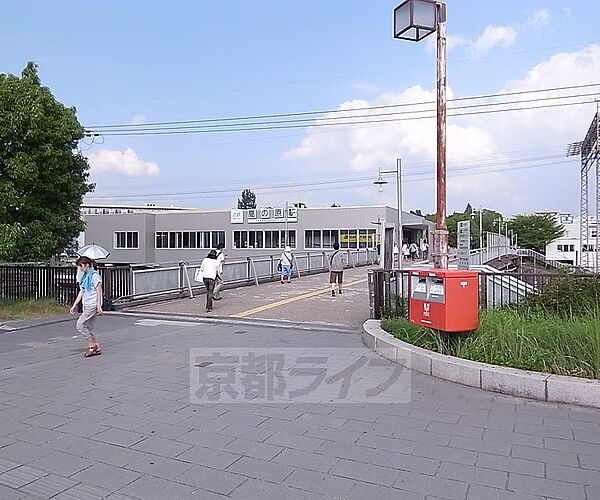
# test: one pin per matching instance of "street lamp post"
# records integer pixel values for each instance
(380, 181)
(414, 20)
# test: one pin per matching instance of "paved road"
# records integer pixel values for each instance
(304, 299)
(121, 426)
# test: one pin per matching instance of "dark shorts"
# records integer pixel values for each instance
(336, 276)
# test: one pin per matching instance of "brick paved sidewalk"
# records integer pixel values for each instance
(121, 426)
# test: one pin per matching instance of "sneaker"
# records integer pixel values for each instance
(340, 292)
(333, 293)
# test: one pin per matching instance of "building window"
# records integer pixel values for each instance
(162, 239)
(348, 238)
(126, 239)
(272, 239)
(255, 239)
(363, 238)
(330, 236)
(291, 238)
(189, 239)
(312, 238)
(240, 239)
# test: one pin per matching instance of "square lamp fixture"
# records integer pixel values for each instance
(415, 19)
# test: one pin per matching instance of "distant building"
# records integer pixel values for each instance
(568, 248)
(160, 234)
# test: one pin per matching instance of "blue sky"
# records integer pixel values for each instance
(124, 61)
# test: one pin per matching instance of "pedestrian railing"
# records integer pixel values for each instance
(155, 281)
(389, 290)
(39, 281)
(126, 283)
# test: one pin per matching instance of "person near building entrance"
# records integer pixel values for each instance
(405, 251)
(424, 250)
(336, 269)
(219, 280)
(286, 262)
(414, 250)
(90, 293)
(209, 270)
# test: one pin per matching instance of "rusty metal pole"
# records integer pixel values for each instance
(440, 237)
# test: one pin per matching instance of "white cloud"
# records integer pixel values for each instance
(138, 119)
(473, 142)
(492, 37)
(124, 162)
(540, 19)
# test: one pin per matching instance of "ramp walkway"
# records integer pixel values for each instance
(305, 299)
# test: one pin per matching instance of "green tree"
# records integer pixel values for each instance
(43, 177)
(488, 216)
(247, 200)
(536, 231)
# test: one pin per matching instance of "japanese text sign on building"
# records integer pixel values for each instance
(273, 215)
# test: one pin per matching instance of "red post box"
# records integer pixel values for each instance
(444, 299)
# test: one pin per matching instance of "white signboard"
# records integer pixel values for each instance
(464, 243)
(273, 215)
(237, 216)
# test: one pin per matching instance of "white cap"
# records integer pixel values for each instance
(288, 249)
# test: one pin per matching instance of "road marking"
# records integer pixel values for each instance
(289, 300)
(160, 322)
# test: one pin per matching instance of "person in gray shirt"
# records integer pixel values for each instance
(336, 269)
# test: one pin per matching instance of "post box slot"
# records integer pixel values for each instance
(436, 290)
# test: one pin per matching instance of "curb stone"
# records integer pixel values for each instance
(492, 378)
(12, 326)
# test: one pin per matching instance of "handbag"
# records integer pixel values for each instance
(198, 276)
(279, 266)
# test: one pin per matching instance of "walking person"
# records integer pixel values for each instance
(286, 262)
(405, 251)
(219, 280)
(413, 250)
(90, 294)
(337, 262)
(424, 250)
(209, 270)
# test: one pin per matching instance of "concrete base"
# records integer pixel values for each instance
(501, 379)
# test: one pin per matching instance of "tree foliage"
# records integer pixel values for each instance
(487, 218)
(536, 231)
(247, 199)
(43, 177)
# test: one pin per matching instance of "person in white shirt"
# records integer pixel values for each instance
(209, 270)
(90, 293)
(286, 261)
(220, 262)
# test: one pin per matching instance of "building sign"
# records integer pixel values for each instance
(566, 219)
(464, 243)
(272, 215)
(237, 216)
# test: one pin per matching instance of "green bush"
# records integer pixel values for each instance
(538, 341)
(567, 297)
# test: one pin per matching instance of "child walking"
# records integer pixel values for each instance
(90, 292)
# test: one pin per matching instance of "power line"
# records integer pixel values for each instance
(329, 111)
(316, 185)
(176, 128)
(359, 122)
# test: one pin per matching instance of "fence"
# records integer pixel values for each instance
(35, 281)
(156, 281)
(389, 290)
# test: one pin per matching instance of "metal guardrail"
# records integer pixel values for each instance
(179, 279)
(389, 295)
(38, 281)
(532, 254)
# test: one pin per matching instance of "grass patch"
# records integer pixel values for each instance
(30, 309)
(530, 340)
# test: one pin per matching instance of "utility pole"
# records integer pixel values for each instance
(440, 240)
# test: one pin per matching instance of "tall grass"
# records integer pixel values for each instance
(530, 340)
(28, 309)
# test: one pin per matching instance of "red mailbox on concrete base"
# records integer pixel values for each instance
(444, 299)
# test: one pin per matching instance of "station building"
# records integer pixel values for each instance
(166, 234)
